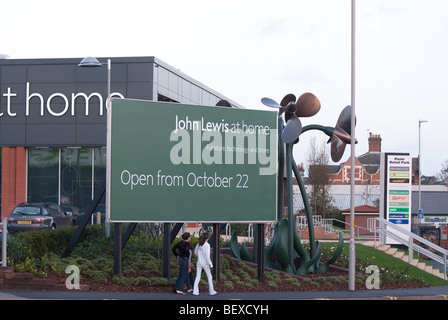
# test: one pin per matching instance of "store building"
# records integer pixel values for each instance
(53, 122)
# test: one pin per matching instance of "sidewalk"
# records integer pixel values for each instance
(432, 293)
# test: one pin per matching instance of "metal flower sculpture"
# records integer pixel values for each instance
(306, 106)
(341, 135)
(286, 252)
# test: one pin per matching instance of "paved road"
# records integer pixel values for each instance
(433, 293)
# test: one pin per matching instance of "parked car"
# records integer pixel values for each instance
(38, 216)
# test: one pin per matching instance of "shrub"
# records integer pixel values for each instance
(243, 273)
(228, 285)
(249, 285)
(160, 282)
(277, 279)
(121, 280)
(247, 278)
(99, 274)
(337, 280)
(225, 262)
(35, 244)
(254, 281)
(290, 280)
(228, 273)
(322, 279)
(142, 281)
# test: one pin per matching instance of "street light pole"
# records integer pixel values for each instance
(352, 256)
(419, 166)
(93, 62)
(108, 150)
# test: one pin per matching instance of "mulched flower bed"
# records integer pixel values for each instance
(334, 280)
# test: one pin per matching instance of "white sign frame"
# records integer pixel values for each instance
(396, 188)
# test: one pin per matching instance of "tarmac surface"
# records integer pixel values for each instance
(431, 293)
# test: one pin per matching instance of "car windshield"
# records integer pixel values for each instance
(27, 210)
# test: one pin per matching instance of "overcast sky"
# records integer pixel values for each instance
(247, 50)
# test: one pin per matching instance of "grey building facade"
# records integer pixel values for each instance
(53, 121)
(53, 102)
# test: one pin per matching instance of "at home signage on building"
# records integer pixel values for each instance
(57, 104)
(186, 163)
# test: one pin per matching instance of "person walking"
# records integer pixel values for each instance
(202, 251)
(182, 252)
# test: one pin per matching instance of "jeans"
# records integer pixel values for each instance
(183, 273)
(189, 280)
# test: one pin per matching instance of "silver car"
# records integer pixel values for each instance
(37, 216)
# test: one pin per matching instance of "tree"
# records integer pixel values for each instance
(443, 174)
(319, 195)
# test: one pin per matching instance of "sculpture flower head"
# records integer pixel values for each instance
(306, 106)
(342, 134)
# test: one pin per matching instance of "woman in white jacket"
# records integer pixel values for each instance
(202, 251)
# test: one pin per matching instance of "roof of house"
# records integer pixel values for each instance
(363, 208)
(371, 161)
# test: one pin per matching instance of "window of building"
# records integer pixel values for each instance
(348, 173)
(69, 176)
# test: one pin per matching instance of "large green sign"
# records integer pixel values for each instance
(187, 163)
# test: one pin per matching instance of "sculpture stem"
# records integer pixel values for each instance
(306, 202)
(290, 164)
(281, 169)
(289, 200)
(327, 130)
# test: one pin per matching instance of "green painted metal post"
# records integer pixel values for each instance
(308, 213)
(281, 170)
(289, 200)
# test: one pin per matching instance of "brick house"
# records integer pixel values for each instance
(362, 214)
(367, 166)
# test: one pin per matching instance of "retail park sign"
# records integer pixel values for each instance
(396, 191)
(186, 163)
(56, 105)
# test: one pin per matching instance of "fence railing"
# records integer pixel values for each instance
(386, 229)
(328, 225)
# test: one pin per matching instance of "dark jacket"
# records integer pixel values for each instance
(182, 249)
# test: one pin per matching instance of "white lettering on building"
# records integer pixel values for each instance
(48, 106)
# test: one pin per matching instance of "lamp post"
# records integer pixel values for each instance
(419, 166)
(91, 62)
(352, 255)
